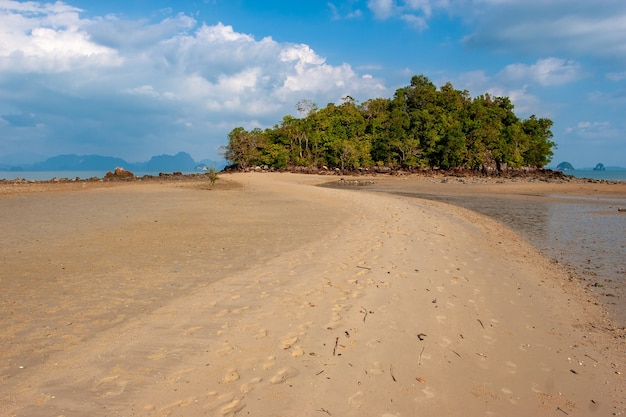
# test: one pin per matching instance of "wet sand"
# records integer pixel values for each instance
(270, 296)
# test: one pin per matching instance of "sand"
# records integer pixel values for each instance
(267, 296)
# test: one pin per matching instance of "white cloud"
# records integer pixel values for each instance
(344, 11)
(47, 38)
(564, 27)
(416, 22)
(142, 88)
(546, 71)
(302, 55)
(415, 13)
(560, 26)
(616, 76)
(595, 129)
(382, 9)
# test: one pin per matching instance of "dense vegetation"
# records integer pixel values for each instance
(420, 127)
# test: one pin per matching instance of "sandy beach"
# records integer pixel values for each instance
(268, 296)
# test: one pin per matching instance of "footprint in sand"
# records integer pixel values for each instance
(232, 408)
(374, 343)
(176, 404)
(489, 340)
(249, 386)
(288, 341)
(335, 319)
(241, 309)
(192, 330)
(297, 351)
(271, 362)
(428, 392)
(110, 386)
(356, 400)
(509, 394)
(445, 342)
(226, 349)
(231, 376)
(227, 404)
(511, 367)
(375, 369)
(221, 313)
(162, 353)
(284, 375)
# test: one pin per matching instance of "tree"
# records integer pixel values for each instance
(244, 148)
(376, 113)
(306, 107)
(539, 152)
(420, 126)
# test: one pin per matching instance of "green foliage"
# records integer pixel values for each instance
(421, 126)
(213, 177)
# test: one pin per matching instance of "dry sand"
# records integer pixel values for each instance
(266, 296)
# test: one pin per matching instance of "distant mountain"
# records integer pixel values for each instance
(78, 163)
(182, 162)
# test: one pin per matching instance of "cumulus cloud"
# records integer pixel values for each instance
(71, 84)
(416, 22)
(344, 11)
(546, 71)
(581, 28)
(382, 9)
(415, 13)
(595, 129)
(47, 38)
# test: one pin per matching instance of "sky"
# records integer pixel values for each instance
(138, 78)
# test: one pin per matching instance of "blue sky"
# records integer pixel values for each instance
(133, 79)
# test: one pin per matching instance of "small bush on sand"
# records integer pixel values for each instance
(213, 175)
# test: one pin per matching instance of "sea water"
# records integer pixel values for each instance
(610, 175)
(84, 175)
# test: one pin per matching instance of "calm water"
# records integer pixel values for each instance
(48, 175)
(598, 175)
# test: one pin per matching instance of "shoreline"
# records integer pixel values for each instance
(309, 300)
(549, 216)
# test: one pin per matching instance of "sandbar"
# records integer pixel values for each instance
(266, 295)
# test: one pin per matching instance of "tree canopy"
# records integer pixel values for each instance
(420, 127)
